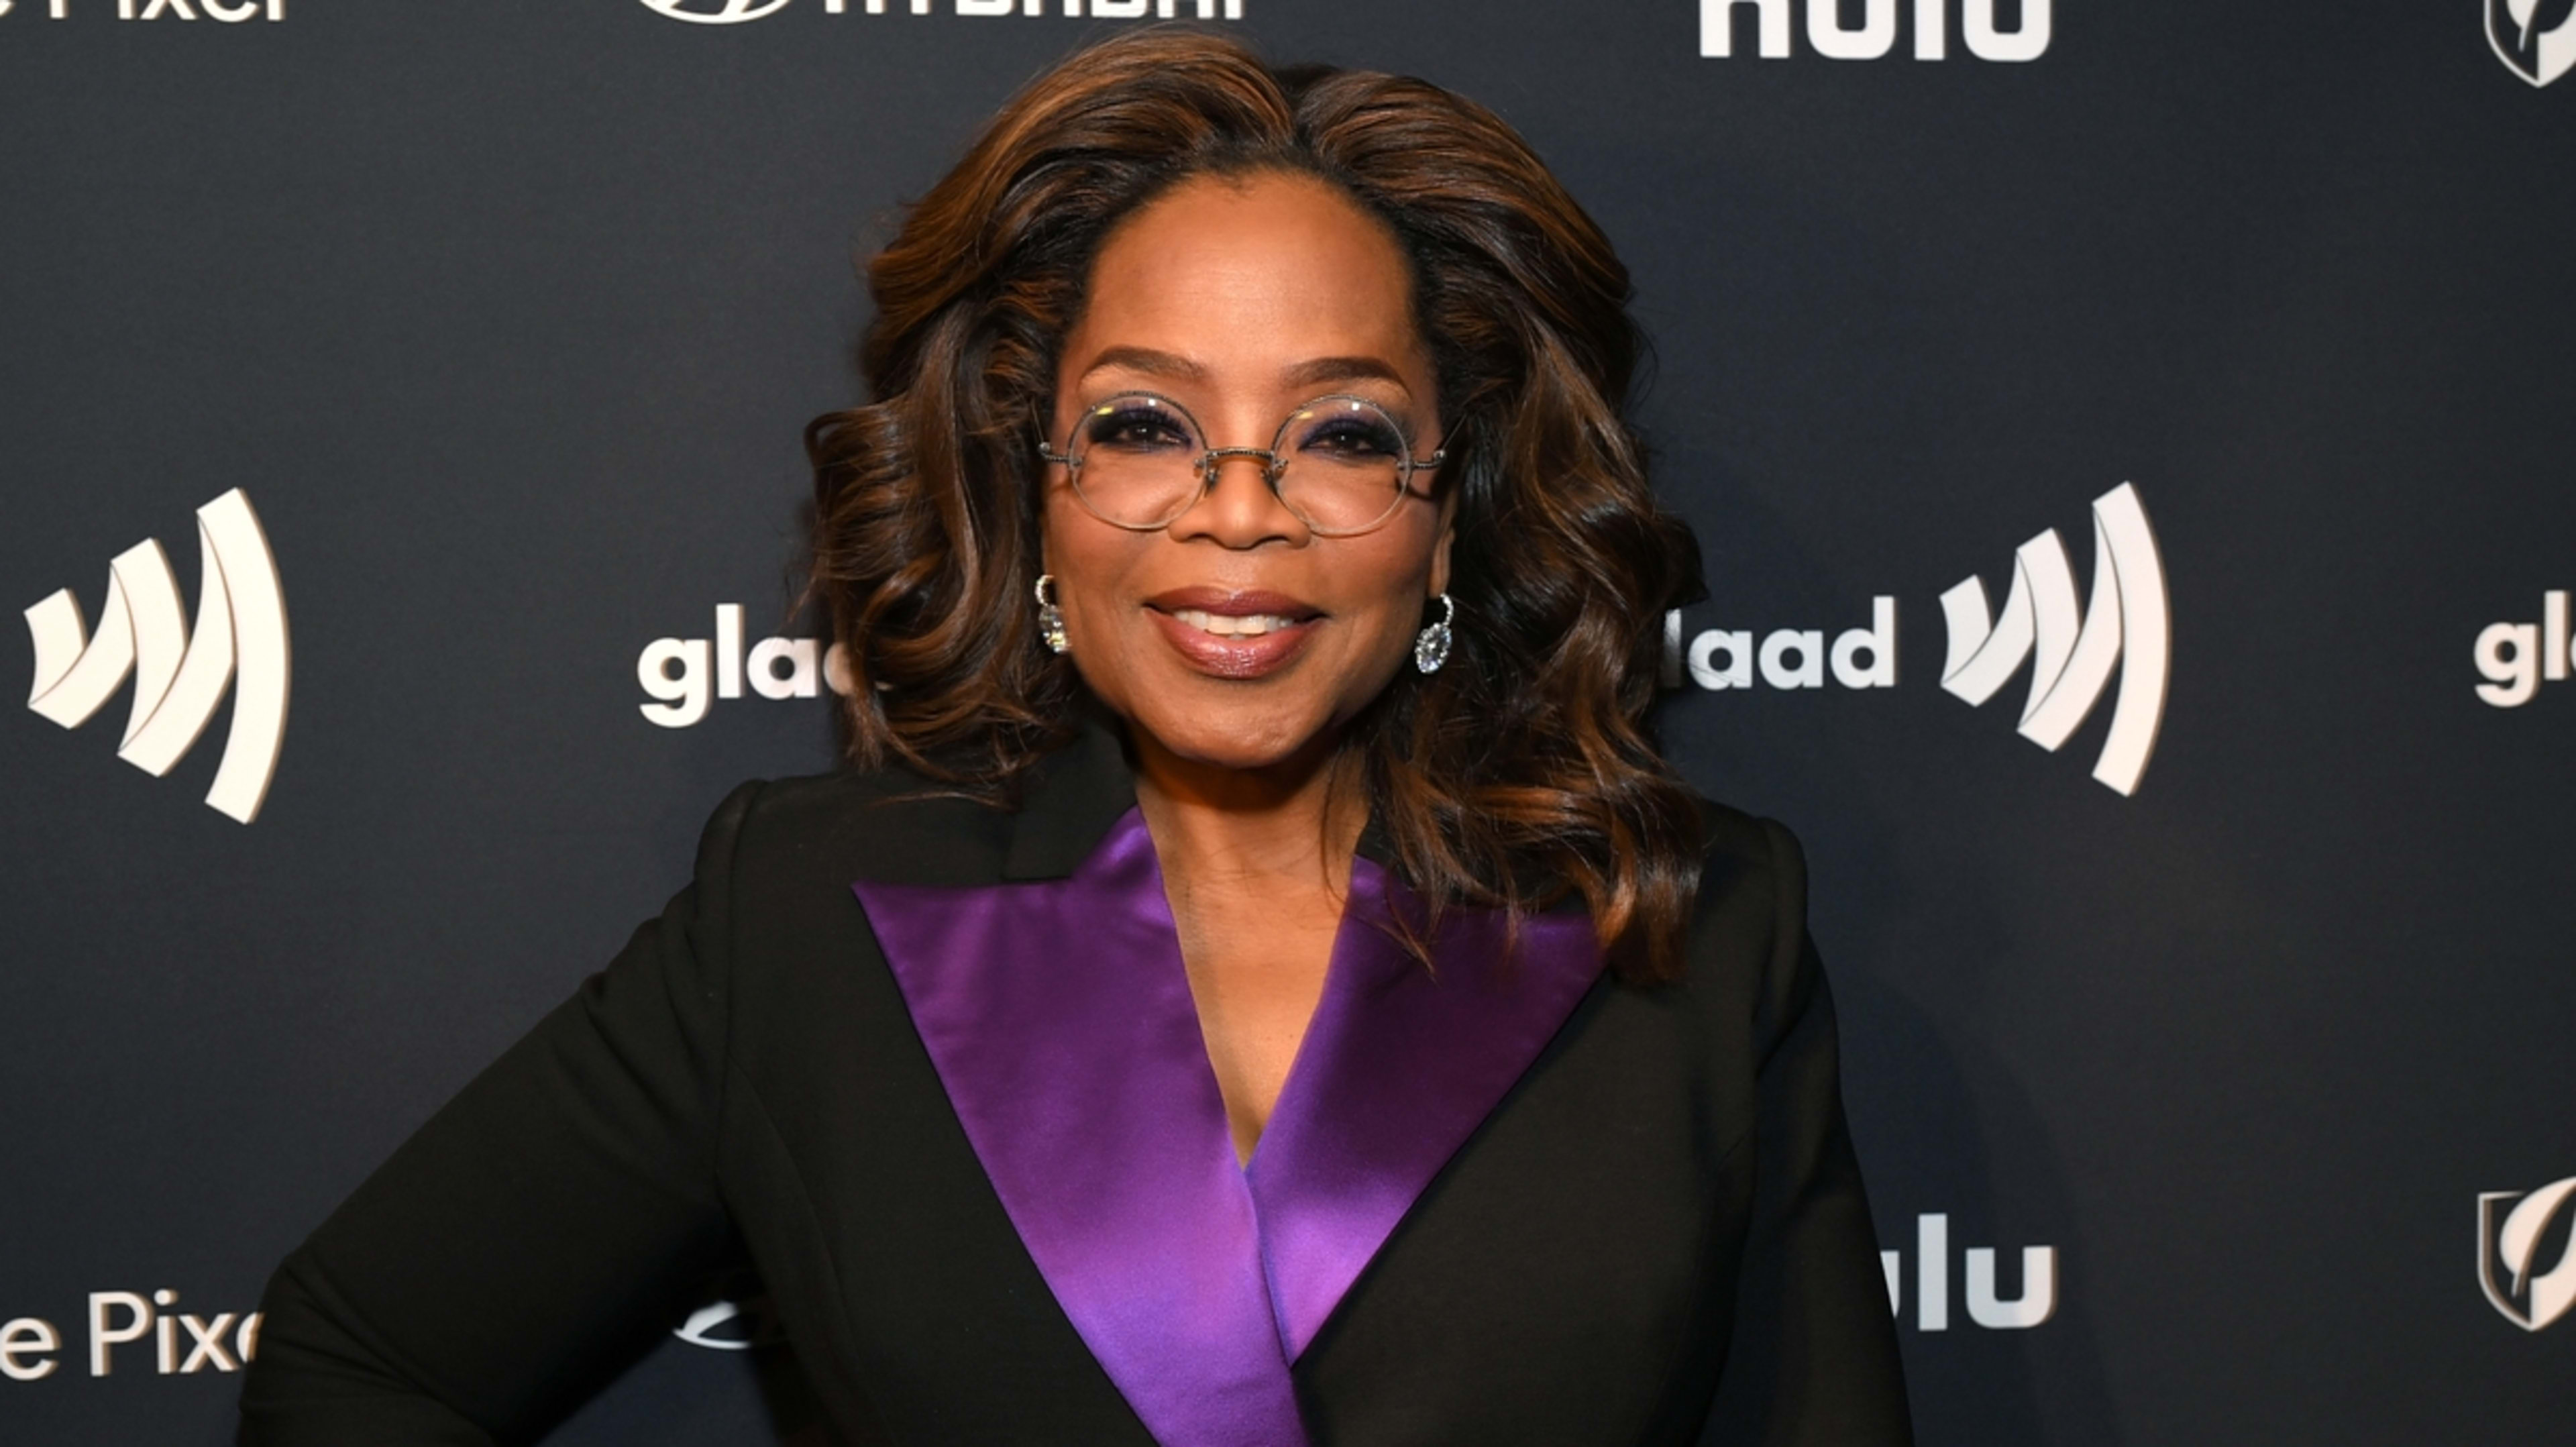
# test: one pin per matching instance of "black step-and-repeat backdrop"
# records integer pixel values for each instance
(2133, 443)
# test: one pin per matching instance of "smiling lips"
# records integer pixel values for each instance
(1229, 626)
(1234, 635)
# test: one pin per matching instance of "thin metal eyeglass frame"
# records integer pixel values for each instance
(1273, 465)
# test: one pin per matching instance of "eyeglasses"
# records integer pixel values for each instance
(1340, 463)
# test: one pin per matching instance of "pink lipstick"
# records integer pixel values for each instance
(1237, 634)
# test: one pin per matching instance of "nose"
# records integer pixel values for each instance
(1236, 506)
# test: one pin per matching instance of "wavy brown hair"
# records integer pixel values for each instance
(1523, 769)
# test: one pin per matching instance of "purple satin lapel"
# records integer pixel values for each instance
(1398, 1068)
(1058, 1015)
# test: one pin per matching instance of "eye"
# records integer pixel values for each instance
(1351, 436)
(1136, 427)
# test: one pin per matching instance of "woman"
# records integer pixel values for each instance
(1260, 985)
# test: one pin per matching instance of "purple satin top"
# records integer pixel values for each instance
(1060, 1020)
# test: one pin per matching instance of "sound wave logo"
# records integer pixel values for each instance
(2128, 626)
(240, 641)
(2509, 1248)
(2536, 39)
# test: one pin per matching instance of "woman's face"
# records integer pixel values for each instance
(1236, 636)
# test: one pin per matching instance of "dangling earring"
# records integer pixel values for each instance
(1431, 645)
(1051, 617)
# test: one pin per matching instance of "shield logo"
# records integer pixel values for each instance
(2536, 39)
(2519, 1233)
(732, 1326)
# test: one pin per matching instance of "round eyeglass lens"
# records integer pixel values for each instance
(1135, 460)
(1342, 464)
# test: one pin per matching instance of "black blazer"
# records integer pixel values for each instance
(1658, 1236)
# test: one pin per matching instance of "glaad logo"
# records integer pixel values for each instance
(2536, 39)
(676, 670)
(2072, 651)
(735, 12)
(2128, 626)
(2508, 1249)
(240, 640)
(2036, 1304)
(2515, 657)
(1725, 658)
(1875, 36)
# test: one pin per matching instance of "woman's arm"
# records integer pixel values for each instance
(1814, 1354)
(537, 1230)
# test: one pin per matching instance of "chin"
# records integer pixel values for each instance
(1234, 738)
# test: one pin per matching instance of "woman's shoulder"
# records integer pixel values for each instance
(853, 824)
(1745, 857)
(1748, 935)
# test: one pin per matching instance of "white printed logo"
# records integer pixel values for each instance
(2509, 1248)
(1986, 1306)
(226, 1341)
(228, 12)
(735, 12)
(2127, 626)
(1875, 35)
(2515, 657)
(1788, 658)
(240, 640)
(2536, 39)
(732, 1326)
(686, 674)
(728, 12)
(2071, 652)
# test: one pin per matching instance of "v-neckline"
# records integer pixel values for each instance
(1298, 1061)
(1059, 1017)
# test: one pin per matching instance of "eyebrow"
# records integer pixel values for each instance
(1343, 369)
(1305, 374)
(1148, 361)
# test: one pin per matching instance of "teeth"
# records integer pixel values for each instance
(1250, 625)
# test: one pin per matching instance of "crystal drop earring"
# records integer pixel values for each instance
(1051, 617)
(1431, 645)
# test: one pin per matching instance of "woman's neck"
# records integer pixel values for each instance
(1288, 826)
